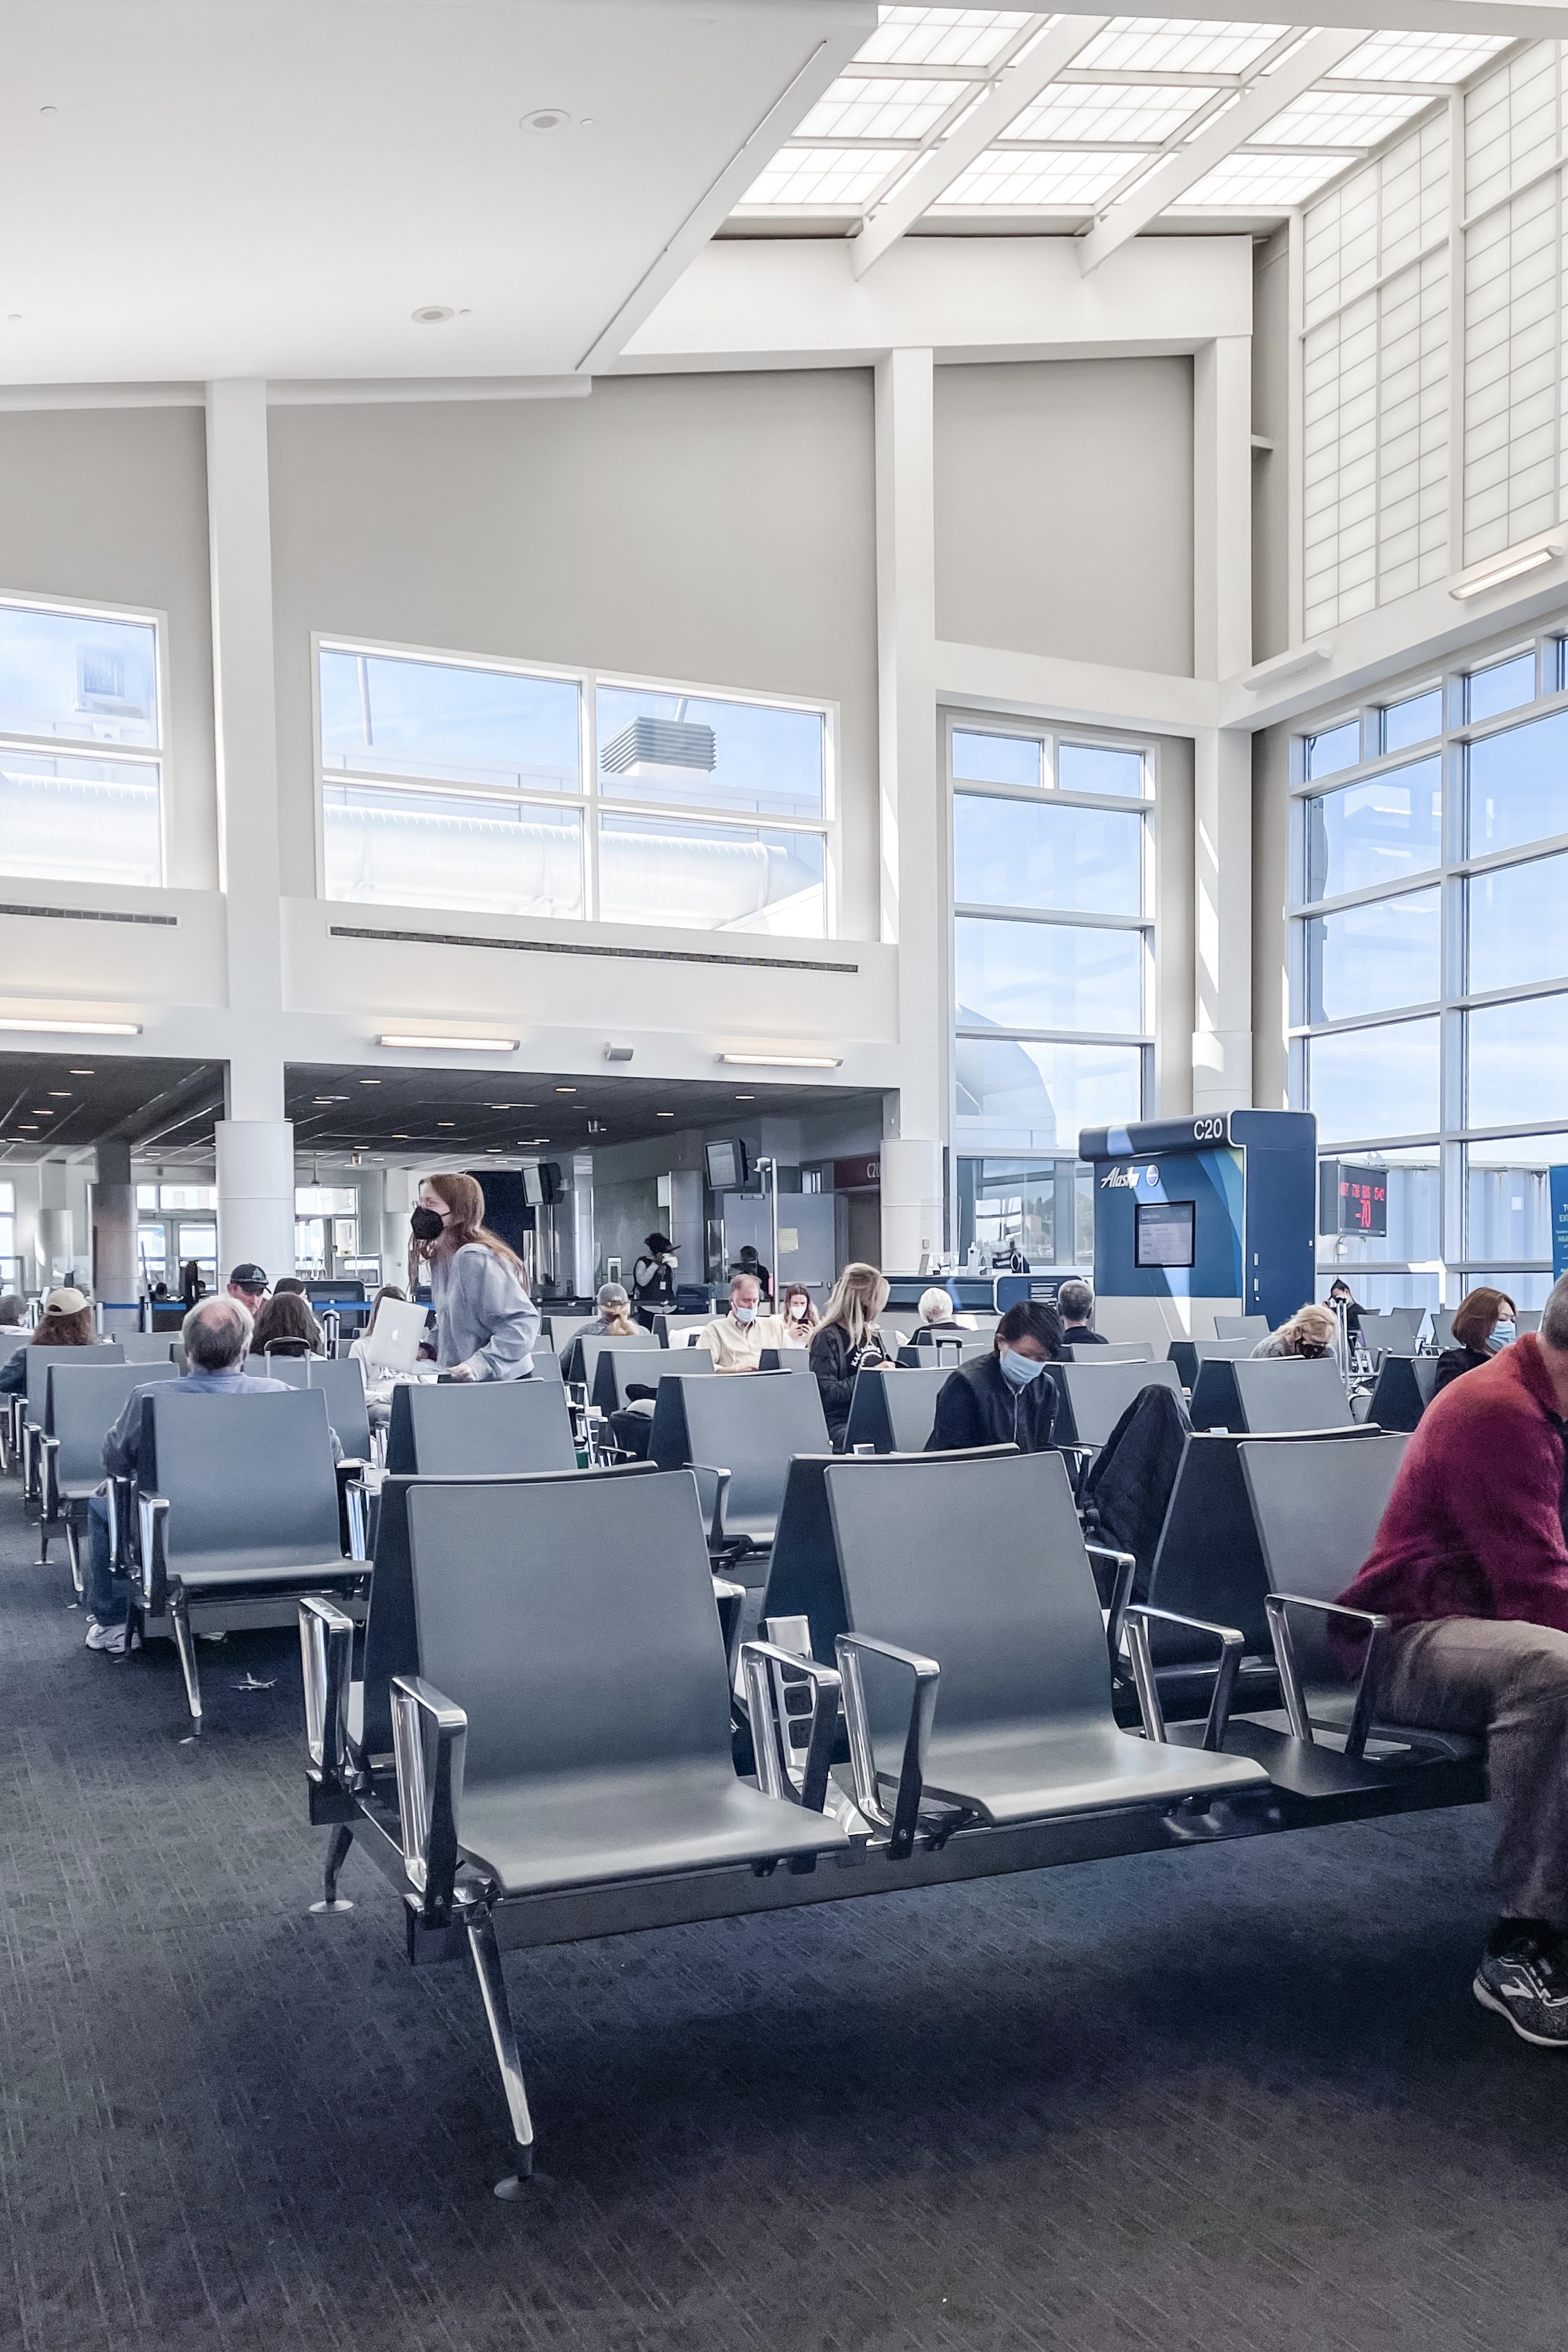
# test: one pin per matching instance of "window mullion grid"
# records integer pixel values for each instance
(589, 756)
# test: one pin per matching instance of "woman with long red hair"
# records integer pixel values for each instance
(486, 1323)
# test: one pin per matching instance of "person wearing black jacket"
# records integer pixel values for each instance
(846, 1341)
(1485, 1321)
(1075, 1305)
(1007, 1398)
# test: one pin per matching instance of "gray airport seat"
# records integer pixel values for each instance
(546, 1364)
(892, 1411)
(1110, 1352)
(81, 1405)
(1188, 1355)
(478, 1428)
(784, 1360)
(1272, 1393)
(1241, 1326)
(27, 1415)
(581, 1361)
(1443, 1327)
(1317, 1508)
(622, 1370)
(290, 1369)
(1094, 1396)
(246, 1507)
(1016, 1722)
(1382, 1333)
(1405, 1387)
(749, 1426)
(341, 1379)
(1528, 1318)
(144, 1347)
(559, 1331)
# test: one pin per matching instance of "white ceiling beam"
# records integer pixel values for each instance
(1013, 89)
(1511, 20)
(1183, 170)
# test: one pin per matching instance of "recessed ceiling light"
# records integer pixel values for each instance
(432, 314)
(370, 1082)
(786, 1061)
(664, 1114)
(565, 1091)
(75, 1028)
(29, 1131)
(42, 1114)
(545, 118)
(445, 1122)
(60, 1094)
(48, 110)
(84, 1073)
(745, 1098)
(399, 1137)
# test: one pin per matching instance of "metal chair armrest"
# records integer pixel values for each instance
(429, 1735)
(119, 1492)
(153, 1515)
(1125, 1569)
(326, 1655)
(1279, 1606)
(49, 1477)
(1137, 1619)
(901, 1822)
(765, 1668)
(354, 1498)
(731, 1602)
(717, 1538)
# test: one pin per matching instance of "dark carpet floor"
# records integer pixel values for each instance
(1227, 2098)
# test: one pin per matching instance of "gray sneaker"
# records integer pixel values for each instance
(1527, 1983)
(106, 1637)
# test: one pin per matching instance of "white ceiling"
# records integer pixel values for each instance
(198, 188)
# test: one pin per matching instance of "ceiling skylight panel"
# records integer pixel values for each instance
(1179, 44)
(943, 36)
(841, 177)
(1089, 111)
(1340, 118)
(1261, 180)
(1073, 179)
(858, 108)
(1418, 56)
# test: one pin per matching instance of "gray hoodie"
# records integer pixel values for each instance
(484, 1317)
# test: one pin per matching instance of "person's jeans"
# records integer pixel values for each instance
(1508, 1681)
(107, 1595)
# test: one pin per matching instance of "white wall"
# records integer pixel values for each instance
(1063, 510)
(713, 528)
(109, 506)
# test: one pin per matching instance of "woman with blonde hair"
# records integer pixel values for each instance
(1309, 1332)
(486, 1323)
(848, 1341)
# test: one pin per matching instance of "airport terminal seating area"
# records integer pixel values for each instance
(1219, 2083)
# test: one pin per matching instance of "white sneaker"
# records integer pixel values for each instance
(106, 1637)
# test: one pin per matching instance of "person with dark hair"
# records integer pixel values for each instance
(748, 1262)
(1469, 1571)
(285, 1326)
(13, 1312)
(486, 1323)
(653, 1278)
(67, 1322)
(247, 1283)
(192, 1287)
(1007, 1398)
(1484, 1321)
(1340, 1295)
(288, 1284)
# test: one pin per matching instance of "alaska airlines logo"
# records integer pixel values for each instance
(1127, 1180)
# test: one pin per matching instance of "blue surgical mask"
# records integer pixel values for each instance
(744, 1314)
(1019, 1371)
(1503, 1332)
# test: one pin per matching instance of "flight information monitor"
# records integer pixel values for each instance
(1166, 1233)
(1352, 1199)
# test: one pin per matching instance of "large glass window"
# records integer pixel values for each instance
(10, 1265)
(1052, 951)
(80, 746)
(502, 790)
(1464, 1106)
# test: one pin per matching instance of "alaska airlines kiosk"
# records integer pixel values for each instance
(1214, 1213)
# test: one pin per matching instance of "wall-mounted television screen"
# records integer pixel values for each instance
(1166, 1234)
(542, 1185)
(729, 1165)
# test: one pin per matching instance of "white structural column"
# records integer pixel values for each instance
(911, 798)
(1222, 648)
(255, 1142)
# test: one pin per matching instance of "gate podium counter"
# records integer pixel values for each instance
(1194, 1216)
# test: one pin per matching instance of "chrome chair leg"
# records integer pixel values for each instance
(503, 2034)
(185, 1642)
(73, 1555)
(338, 1846)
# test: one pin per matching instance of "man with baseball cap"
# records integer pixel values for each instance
(247, 1283)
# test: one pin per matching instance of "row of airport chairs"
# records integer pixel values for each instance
(535, 1756)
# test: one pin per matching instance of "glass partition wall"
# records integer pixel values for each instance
(1053, 949)
(1429, 970)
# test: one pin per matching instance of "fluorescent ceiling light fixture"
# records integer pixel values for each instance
(1507, 567)
(785, 1061)
(450, 1045)
(77, 1028)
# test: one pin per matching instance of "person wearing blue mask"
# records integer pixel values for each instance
(736, 1340)
(1009, 1396)
(1485, 1321)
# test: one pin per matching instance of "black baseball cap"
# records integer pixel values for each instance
(249, 1276)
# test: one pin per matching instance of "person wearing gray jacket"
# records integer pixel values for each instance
(486, 1323)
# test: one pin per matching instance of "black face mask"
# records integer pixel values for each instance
(426, 1225)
